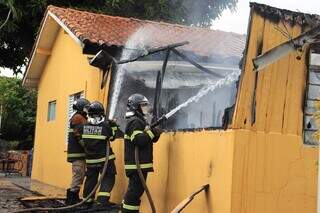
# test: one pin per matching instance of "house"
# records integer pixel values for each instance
(264, 159)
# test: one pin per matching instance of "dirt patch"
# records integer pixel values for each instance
(10, 195)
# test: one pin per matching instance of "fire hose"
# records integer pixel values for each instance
(143, 181)
(85, 199)
(136, 158)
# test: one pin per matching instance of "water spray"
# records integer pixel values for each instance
(229, 79)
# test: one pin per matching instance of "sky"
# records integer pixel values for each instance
(8, 73)
(237, 22)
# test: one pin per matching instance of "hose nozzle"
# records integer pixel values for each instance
(159, 121)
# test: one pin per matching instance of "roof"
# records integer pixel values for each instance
(108, 30)
(277, 14)
(104, 31)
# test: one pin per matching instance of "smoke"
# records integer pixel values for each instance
(136, 44)
(210, 96)
(229, 79)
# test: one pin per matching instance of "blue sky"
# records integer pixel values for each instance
(237, 21)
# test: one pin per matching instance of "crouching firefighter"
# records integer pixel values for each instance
(75, 152)
(138, 134)
(95, 136)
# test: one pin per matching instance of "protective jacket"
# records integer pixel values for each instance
(75, 151)
(137, 135)
(95, 137)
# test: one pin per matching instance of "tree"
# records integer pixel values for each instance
(18, 34)
(18, 111)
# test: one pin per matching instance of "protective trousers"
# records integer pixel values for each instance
(78, 173)
(131, 202)
(106, 186)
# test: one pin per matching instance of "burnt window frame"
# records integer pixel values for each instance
(173, 52)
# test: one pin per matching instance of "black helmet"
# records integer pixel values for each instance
(80, 104)
(135, 102)
(96, 109)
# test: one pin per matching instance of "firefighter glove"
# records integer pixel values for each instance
(157, 131)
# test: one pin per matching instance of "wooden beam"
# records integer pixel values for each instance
(43, 51)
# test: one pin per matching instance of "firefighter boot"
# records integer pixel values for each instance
(104, 205)
(72, 197)
(76, 198)
(68, 197)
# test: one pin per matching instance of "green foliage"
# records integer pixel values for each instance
(8, 145)
(18, 111)
(18, 35)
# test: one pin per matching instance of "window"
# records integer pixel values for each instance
(312, 101)
(182, 80)
(52, 110)
(72, 98)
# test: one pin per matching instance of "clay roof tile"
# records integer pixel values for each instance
(114, 30)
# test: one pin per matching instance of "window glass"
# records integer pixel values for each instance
(72, 98)
(51, 110)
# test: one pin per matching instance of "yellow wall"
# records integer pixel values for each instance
(280, 86)
(183, 164)
(273, 171)
(67, 72)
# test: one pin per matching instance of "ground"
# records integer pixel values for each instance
(14, 187)
(10, 194)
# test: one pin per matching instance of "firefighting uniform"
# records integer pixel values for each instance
(94, 139)
(75, 152)
(136, 135)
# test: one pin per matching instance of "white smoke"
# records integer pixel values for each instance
(136, 44)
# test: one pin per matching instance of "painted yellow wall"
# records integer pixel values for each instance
(279, 88)
(67, 72)
(183, 162)
(273, 171)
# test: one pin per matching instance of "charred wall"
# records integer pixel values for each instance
(272, 99)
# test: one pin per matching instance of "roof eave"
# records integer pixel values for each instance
(42, 48)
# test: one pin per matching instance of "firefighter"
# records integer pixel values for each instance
(75, 152)
(95, 135)
(137, 133)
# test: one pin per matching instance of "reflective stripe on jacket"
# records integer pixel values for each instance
(75, 150)
(135, 135)
(95, 139)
